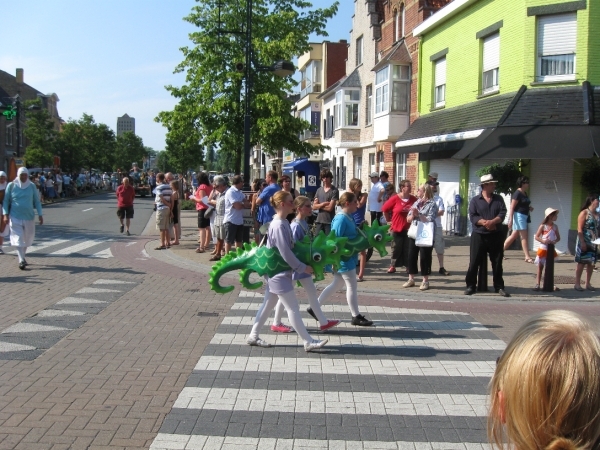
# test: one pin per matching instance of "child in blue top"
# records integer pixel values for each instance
(344, 226)
(299, 230)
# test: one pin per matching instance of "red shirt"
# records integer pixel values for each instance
(399, 209)
(207, 190)
(125, 196)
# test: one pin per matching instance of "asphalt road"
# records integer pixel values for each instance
(94, 217)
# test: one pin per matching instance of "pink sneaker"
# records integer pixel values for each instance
(281, 328)
(330, 324)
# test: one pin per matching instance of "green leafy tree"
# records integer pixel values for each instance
(212, 102)
(184, 148)
(162, 162)
(506, 174)
(42, 135)
(129, 148)
(590, 178)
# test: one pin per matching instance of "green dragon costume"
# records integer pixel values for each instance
(375, 236)
(321, 251)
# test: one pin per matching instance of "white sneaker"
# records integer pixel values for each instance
(409, 283)
(257, 342)
(314, 345)
(424, 285)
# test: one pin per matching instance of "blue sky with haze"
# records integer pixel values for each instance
(110, 57)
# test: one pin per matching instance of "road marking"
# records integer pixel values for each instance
(76, 248)
(447, 343)
(104, 254)
(91, 290)
(6, 347)
(363, 309)
(113, 282)
(32, 328)
(89, 209)
(391, 367)
(164, 441)
(384, 324)
(332, 402)
(58, 313)
(37, 247)
(78, 301)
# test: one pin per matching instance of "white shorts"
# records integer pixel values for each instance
(438, 241)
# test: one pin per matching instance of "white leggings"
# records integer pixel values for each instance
(21, 252)
(313, 301)
(338, 280)
(293, 309)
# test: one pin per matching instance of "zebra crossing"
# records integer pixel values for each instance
(418, 379)
(29, 338)
(76, 246)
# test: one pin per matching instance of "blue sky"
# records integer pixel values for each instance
(109, 57)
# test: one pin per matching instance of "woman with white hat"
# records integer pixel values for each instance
(17, 207)
(4, 228)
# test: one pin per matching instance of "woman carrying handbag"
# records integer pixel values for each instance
(424, 210)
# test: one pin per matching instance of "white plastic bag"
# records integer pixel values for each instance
(425, 233)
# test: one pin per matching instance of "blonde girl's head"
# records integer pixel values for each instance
(300, 201)
(355, 185)
(426, 190)
(174, 185)
(346, 198)
(545, 393)
(280, 197)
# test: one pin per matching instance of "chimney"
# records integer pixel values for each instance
(19, 76)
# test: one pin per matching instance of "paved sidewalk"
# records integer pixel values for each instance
(519, 276)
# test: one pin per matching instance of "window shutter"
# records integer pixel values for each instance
(557, 34)
(440, 72)
(491, 52)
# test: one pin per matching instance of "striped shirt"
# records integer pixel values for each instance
(165, 191)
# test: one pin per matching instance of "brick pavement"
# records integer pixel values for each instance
(111, 382)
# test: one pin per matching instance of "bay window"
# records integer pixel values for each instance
(310, 78)
(399, 92)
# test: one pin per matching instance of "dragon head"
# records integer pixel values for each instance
(378, 236)
(323, 251)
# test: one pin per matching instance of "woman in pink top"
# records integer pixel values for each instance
(204, 190)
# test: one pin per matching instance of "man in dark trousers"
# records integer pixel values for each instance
(486, 211)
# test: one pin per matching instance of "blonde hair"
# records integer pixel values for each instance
(175, 185)
(278, 198)
(346, 198)
(549, 379)
(427, 191)
(301, 200)
(355, 183)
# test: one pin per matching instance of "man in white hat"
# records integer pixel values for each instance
(374, 200)
(486, 211)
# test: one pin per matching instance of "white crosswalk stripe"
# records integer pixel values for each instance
(254, 306)
(75, 248)
(397, 367)
(36, 248)
(78, 245)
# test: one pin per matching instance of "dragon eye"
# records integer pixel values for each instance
(378, 237)
(317, 257)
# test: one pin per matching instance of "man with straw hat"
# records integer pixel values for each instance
(486, 211)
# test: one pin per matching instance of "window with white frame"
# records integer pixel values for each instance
(371, 163)
(359, 51)
(358, 167)
(310, 78)
(400, 88)
(351, 105)
(305, 114)
(369, 111)
(400, 168)
(402, 21)
(557, 43)
(490, 64)
(396, 26)
(439, 91)
(382, 88)
(337, 109)
(346, 109)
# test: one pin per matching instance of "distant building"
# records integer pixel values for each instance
(125, 124)
(14, 92)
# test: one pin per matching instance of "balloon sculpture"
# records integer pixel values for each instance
(317, 253)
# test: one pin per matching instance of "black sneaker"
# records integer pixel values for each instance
(128, 234)
(444, 271)
(122, 228)
(22, 265)
(502, 293)
(311, 312)
(361, 321)
(469, 291)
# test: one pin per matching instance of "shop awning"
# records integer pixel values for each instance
(298, 165)
(536, 142)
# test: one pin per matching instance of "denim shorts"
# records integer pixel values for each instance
(519, 221)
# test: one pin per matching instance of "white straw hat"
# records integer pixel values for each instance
(489, 178)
